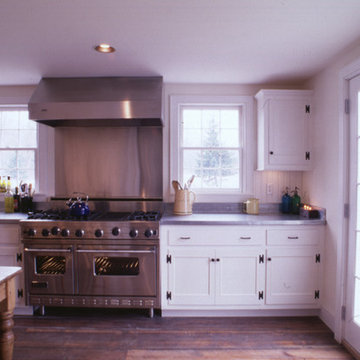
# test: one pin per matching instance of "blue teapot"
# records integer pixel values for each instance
(78, 207)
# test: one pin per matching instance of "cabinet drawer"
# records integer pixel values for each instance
(206, 235)
(294, 237)
(9, 234)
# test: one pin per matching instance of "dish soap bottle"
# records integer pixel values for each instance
(9, 199)
(286, 202)
(296, 202)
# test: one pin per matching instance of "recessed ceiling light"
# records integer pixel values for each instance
(104, 48)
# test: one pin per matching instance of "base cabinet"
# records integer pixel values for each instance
(215, 276)
(293, 276)
(11, 254)
(257, 268)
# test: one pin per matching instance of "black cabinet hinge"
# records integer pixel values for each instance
(261, 295)
(307, 155)
(261, 259)
(18, 257)
(317, 258)
(307, 109)
(317, 294)
(20, 293)
(168, 295)
(168, 259)
(347, 106)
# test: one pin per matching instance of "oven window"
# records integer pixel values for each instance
(116, 266)
(50, 265)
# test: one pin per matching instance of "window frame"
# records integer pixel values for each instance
(44, 156)
(248, 140)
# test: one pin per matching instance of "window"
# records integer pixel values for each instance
(18, 145)
(211, 139)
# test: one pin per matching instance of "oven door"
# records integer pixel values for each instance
(117, 270)
(49, 269)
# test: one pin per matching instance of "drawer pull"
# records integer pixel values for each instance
(185, 237)
(245, 237)
(293, 237)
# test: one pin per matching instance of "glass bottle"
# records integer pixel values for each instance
(16, 200)
(296, 202)
(9, 200)
(2, 185)
(286, 201)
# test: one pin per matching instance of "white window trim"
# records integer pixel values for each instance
(176, 101)
(44, 157)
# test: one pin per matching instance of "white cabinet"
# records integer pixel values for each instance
(212, 267)
(11, 255)
(240, 267)
(293, 266)
(293, 276)
(284, 129)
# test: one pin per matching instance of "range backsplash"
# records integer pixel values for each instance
(109, 162)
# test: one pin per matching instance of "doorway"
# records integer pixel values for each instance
(352, 303)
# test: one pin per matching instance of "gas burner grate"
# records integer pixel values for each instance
(144, 216)
(61, 214)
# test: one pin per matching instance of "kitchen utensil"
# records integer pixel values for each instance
(251, 206)
(176, 185)
(189, 182)
(78, 207)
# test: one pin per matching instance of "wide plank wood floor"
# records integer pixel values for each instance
(79, 334)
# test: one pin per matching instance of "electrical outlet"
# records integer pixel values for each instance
(269, 189)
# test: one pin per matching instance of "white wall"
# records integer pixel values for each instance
(278, 180)
(323, 182)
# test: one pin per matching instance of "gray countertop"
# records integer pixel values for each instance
(12, 218)
(238, 219)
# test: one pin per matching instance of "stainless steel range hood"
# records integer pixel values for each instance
(98, 101)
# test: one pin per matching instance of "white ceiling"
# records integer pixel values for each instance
(196, 41)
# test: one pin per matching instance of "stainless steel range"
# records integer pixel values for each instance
(101, 260)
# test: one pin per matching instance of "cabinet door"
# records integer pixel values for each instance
(288, 131)
(190, 276)
(9, 234)
(292, 276)
(10, 256)
(240, 276)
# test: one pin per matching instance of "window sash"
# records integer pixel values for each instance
(246, 146)
(35, 150)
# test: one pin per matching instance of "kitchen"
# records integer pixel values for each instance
(192, 71)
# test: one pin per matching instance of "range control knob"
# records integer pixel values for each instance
(32, 232)
(116, 231)
(99, 233)
(148, 233)
(55, 231)
(133, 233)
(79, 233)
(65, 232)
(45, 232)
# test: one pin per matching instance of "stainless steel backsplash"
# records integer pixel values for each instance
(109, 162)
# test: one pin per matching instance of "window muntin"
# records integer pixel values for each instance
(18, 145)
(210, 146)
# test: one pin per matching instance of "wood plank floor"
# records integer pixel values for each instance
(65, 334)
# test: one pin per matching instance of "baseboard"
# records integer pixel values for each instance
(328, 318)
(23, 310)
(239, 313)
(351, 350)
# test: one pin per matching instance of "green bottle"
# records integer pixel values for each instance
(296, 202)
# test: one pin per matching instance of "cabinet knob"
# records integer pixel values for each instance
(212, 260)
(269, 259)
(271, 153)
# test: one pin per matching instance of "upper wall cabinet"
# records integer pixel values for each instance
(284, 129)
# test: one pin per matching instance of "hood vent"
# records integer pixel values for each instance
(98, 101)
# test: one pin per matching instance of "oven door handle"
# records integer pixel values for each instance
(116, 251)
(49, 250)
